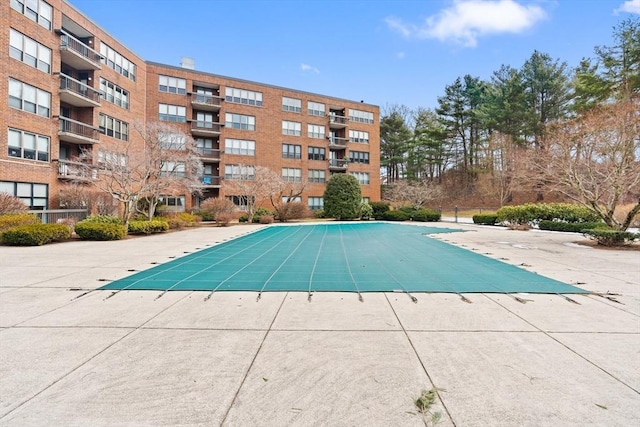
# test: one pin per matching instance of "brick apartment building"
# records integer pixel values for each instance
(73, 91)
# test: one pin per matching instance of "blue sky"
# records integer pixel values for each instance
(383, 52)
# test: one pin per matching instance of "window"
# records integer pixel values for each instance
(315, 109)
(29, 51)
(239, 172)
(111, 160)
(172, 85)
(366, 200)
(114, 127)
(362, 177)
(290, 151)
(28, 145)
(172, 141)
(315, 203)
(315, 131)
(240, 201)
(359, 136)
(117, 62)
(316, 153)
(241, 96)
(36, 10)
(359, 157)
(172, 113)
(238, 121)
(291, 104)
(360, 116)
(240, 147)
(291, 199)
(114, 94)
(28, 98)
(291, 128)
(292, 174)
(317, 175)
(176, 169)
(173, 203)
(33, 195)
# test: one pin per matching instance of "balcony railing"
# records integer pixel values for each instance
(336, 142)
(336, 164)
(206, 102)
(77, 171)
(77, 132)
(210, 153)
(210, 180)
(338, 121)
(206, 128)
(77, 93)
(81, 56)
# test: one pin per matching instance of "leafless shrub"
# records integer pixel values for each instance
(11, 204)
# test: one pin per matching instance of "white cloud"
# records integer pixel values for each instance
(466, 20)
(309, 68)
(629, 6)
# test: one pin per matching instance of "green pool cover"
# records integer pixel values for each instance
(358, 257)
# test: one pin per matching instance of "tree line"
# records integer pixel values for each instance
(493, 131)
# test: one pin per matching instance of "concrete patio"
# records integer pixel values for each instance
(72, 358)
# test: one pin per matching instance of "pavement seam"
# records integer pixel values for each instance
(424, 368)
(91, 358)
(591, 296)
(255, 356)
(548, 334)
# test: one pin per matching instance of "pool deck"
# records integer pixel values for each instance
(73, 359)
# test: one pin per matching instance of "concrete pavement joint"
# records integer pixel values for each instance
(548, 334)
(253, 360)
(90, 358)
(424, 368)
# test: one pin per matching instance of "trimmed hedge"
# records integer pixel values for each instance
(425, 215)
(485, 219)
(35, 234)
(379, 208)
(148, 227)
(611, 237)
(89, 230)
(396, 215)
(14, 220)
(533, 213)
(103, 219)
(366, 211)
(569, 227)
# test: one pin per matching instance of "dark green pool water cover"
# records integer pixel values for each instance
(347, 257)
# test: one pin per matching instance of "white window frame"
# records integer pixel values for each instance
(240, 147)
(316, 109)
(359, 136)
(316, 131)
(22, 93)
(240, 121)
(291, 128)
(30, 146)
(292, 174)
(43, 15)
(27, 50)
(360, 116)
(172, 113)
(170, 84)
(243, 96)
(292, 105)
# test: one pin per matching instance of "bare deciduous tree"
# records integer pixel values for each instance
(285, 199)
(252, 184)
(166, 161)
(594, 160)
(417, 193)
(10, 204)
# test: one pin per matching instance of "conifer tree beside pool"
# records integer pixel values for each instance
(342, 197)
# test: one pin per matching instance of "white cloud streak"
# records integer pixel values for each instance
(467, 20)
(309, 69)
(629, 6)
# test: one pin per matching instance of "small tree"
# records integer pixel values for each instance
(416, 193)
(342, 197)
(594, 160)
(285, 200)
(164, 161)
(252, 184)
(10, 204)
(210, 208)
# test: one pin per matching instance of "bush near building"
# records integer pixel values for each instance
(532, 213)
(485, 219)
(342, 197)
(35, 234)
(95, 230)
(148, 227)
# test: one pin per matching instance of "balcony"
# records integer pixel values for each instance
(206, 102)
(77, 132)
(338, 164)
(76, 171)
(336, 143)
(209, 154)
(210, 181)
(200, 128)
(78, 94)
(77, 54)
(338, 122)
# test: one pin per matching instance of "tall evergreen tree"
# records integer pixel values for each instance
(394, 138)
